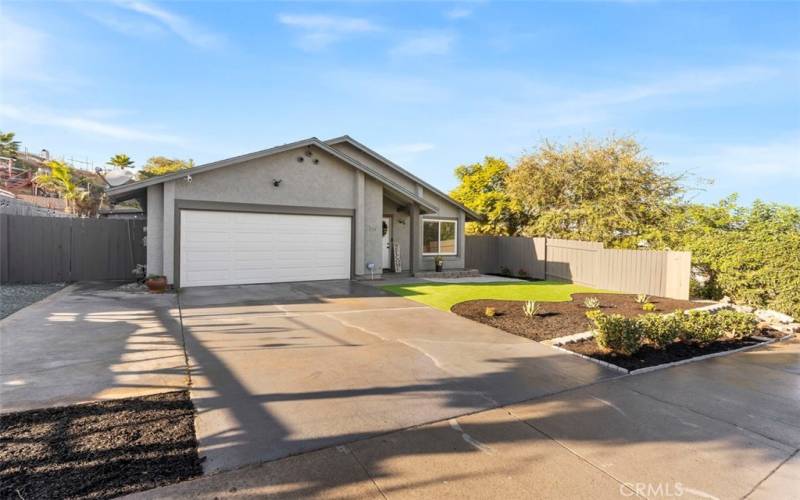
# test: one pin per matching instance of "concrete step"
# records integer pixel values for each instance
(448, 273)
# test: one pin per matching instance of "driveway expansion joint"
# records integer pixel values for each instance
(773, 471)
(780, 445)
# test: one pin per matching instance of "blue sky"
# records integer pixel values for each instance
(711, 88)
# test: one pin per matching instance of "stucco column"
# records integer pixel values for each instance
(155, 229)
(359, 220)
(169, 231)
(416, 238)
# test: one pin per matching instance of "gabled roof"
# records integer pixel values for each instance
(127, 190)
(389, 163)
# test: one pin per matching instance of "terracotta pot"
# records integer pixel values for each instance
(157, 285)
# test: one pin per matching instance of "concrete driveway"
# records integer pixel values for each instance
(90, 342)
(286, 368)
(723, 428)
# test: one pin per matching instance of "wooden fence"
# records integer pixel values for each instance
(660, 273)
(50, 249)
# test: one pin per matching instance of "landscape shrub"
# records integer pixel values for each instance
(648, 306)
(736, 324)
(617, 333)
(699, 326)
(489, 312)
(641, 298)
(593, 313)
(626, 335)
(660, 330)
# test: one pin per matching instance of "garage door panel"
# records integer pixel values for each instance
(233, 248)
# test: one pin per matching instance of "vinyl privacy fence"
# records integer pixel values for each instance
(50, 249)
(660, 273)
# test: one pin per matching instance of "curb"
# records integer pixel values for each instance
(674, 363)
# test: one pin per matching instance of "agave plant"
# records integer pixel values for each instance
(591, 303)
(641, 298)
(531, 308)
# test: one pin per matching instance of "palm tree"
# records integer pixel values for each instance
(58, 177)
(120, 161)
(8, 146)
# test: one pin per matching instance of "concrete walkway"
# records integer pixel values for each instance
(283, 369)
(89, 342)
(722, 428)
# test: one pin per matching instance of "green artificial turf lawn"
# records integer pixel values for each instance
(445, 295)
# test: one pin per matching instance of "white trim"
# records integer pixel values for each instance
(439, 237)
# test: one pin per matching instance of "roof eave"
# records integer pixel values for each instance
(471, 215)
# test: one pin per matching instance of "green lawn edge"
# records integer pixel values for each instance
(445, 295)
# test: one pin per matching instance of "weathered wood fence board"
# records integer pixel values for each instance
(49, 249)
(665, 274)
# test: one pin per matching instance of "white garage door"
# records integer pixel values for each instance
(227, 248)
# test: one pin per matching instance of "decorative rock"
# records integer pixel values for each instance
(725, 300)
(743, 309)
(773, 316)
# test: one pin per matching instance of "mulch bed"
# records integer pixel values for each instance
(650, 356)
(558, 319)
(98, 450)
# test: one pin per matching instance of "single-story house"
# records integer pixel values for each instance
(308, 210)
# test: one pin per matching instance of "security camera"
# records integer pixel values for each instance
(189, 178)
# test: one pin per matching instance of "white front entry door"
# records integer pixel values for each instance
(230, 248)
(387, 243)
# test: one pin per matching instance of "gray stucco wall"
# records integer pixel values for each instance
(169, 229)
(155, 229)
(369, 161)
(331, 183)
(373, 215)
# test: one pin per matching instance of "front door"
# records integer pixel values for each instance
(387, 243)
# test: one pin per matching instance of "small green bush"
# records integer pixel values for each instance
(648, 306)
(660, 330)
(626, 335)
(617, 333)
(736, 324)
(591, 303)
(593, 313)
(699, 326)
(489, 312)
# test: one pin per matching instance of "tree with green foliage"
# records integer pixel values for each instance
(120, 160)
(161, 165)
(59, 177)
(751, 254)
(482, 188)
(8, 146)
(608, 191)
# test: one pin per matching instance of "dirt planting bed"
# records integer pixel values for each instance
(557, 319)
(98, 450)
(648, 355)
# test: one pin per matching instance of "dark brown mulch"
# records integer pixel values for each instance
(558, 319)
(651, 356)
(98, 450)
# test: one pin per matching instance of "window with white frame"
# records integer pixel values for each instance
(439, 237)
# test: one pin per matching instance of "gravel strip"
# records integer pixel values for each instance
(15, 297)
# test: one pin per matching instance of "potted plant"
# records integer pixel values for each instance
(439, 261)
(156, 283)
